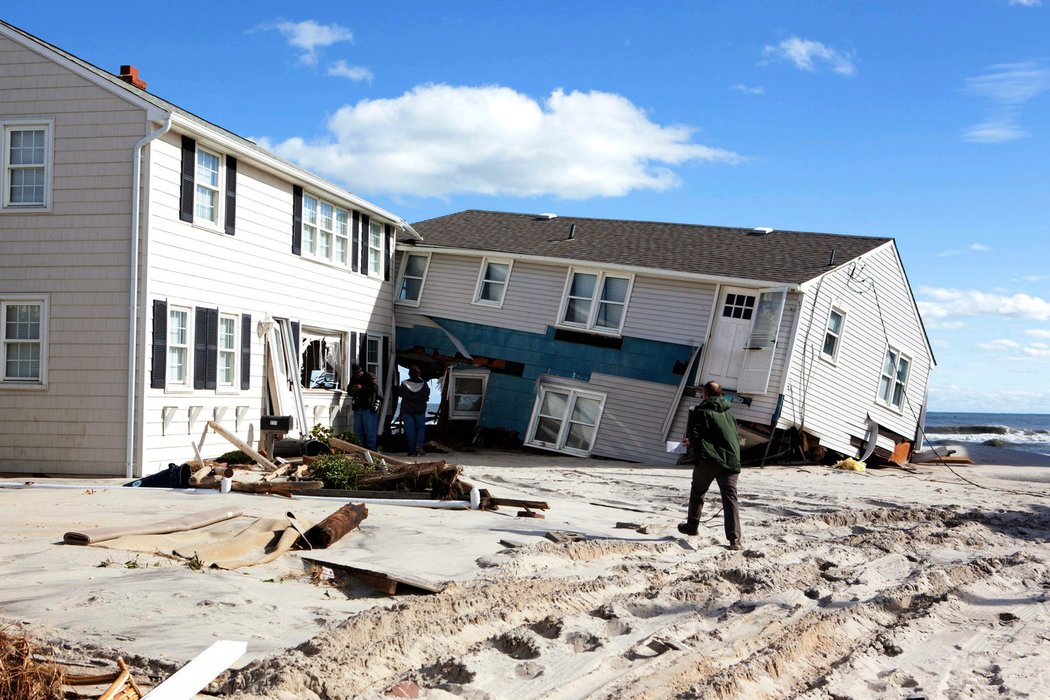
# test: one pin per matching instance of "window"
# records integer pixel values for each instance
(323, 359)
(894, 380)
(596, 301)
(374, 357)
(833, 334)
(26, 176)
(413, 272)
(566, 420)
(467, 394)
(178, 346)
(739, 306)
(342, 237)
(227, 369)
(375, 248)
(23, 339)
(326, 231)
(207, 178)
(492, 282)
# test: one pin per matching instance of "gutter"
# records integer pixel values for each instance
(133, 293)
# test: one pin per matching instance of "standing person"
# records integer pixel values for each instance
(713, 435)
(364, 400)
(415, 393)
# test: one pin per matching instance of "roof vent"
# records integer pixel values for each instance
(548, 216)
(572, 231)
(130, 75)
(760, 231)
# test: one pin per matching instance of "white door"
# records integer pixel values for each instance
(724, 356)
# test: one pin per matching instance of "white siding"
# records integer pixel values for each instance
(78, 253)
(633, 419)
(833, 401)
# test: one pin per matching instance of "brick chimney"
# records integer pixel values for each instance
(130, 75)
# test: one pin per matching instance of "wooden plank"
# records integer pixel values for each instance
(382, 580)
(191, 678)
(345, 446)
(303, 487)
(563, 537)
(517, 503)
(242, 446)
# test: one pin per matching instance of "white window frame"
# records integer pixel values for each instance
(595, 300)
(43, 302)
(375, 234)
(8, 126)
(186, 383)
(889, 380)
(565, 422)
(323, 234)
(833, 356)
(483, 279)
(219, 188)
(337, 357)
(403, 276)
(374, 357)
(229, 352)
(455, 376)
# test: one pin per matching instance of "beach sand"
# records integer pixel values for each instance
(931, 582)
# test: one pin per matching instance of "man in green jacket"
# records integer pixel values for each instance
(713, 435)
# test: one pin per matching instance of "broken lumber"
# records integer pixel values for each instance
(380, 580)
(518, 503)
(285, 487)
(332, 529)
(345, 446)
(199, 672)
(411, 471)
(242, 446)
(563, 536)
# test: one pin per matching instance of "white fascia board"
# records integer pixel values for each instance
(153, 112)
(633, 269)
(282, 169)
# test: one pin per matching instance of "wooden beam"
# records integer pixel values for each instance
(381, 580)
(242, 446)
(191, 678)
(345, 446)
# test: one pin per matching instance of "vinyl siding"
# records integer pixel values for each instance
(832, 401)
(633, 419)
(78, 254)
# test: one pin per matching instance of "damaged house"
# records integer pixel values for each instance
(158, 272)
(590, 336)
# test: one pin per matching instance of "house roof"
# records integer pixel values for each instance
(790, 257)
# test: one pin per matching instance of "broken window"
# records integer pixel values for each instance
(413, 273)
(566, 420)
(467, 394)
(323, 358)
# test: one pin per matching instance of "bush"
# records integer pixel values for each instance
(235, 457)
(339, 471)
(324, 433)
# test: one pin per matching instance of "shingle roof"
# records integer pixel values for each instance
(790, 257)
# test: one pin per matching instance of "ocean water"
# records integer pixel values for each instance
(1029, 432)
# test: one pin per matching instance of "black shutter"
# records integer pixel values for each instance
(388, 232)
(231, 194)
(200, 347)
(365, 235)
(189, 166)
(211, 367)
(355, 243)
(353, 347)
(246, 351)
(297, 219)
(160, 344)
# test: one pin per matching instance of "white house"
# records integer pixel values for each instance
(158, 272)
(588, 336)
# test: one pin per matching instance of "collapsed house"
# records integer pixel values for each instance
(159, 272)
(591, 336)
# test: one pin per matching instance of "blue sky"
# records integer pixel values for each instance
(925, 121)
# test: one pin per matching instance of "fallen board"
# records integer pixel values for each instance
(380, 580)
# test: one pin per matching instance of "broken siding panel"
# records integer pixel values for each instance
(78, 253)
(834, 400)
(632, 422)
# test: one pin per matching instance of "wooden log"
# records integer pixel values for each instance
(517, 503)
(288, 487)
(199, 475)
(352, 494)
(242, 446)
(330, 530)
(345, 446)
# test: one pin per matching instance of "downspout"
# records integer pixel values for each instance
(133, 301)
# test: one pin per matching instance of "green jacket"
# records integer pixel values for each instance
(713, 434)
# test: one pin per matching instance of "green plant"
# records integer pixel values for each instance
(323, 434)
(235, 457)
(339, 471)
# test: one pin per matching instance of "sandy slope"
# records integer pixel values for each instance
(852, 585)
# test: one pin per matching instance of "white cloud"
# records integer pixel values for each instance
(972, 248)
(999, 344)
(748, 89)
(309, 36)
(1038, 333)
(440, 140)
(936, 324)
(1007, 86)
(1032, 278)
(1034, 351)
(356, 73)
(958, 303)
(979, 247)
(806, 55)
(1027, 3)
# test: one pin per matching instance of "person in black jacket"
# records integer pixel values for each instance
(414, 393)
(364, 400)
(715, 439)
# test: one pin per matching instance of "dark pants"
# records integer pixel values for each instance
(415, 430)
(703, 474)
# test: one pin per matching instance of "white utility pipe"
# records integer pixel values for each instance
(133, 294)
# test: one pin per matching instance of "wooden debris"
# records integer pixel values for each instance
(380, 580)
(242, 446)
(518, 503)
(330, 530)
(530, 514)
(121, 685)
(931, 455)
(563, 537)
(512, 544)
(279, 487)
(344, 446)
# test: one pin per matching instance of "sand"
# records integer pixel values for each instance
(878, 584)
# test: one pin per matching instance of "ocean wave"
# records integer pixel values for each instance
(984, 430)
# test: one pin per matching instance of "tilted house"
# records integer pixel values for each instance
(158, 272)
(589, 336)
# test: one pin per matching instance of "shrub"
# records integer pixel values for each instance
(235, 457)
(324, 433)
(339, 471)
